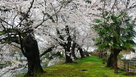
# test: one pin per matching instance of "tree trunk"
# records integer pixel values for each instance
(73, 51)
(110, 61)
(68, 58)
(113, 59)
(86, 53)
(31, 52)
(81, 52)
(68, 55)
(67, 48)
(34, 65)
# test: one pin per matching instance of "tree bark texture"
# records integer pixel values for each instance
(31, 52)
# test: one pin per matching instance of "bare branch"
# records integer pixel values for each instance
(48, 50)
(1, 20)
(15, 46)
(26, 14)
(49, 17)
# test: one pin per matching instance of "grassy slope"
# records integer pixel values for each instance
(87, 67)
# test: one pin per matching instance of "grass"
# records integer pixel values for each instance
(87, 67)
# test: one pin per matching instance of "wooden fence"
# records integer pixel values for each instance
(130, 65)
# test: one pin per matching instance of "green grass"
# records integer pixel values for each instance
(87, 67)
(89, 59)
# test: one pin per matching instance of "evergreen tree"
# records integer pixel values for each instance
(116, 33)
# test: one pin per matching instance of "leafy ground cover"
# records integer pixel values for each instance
(87, 67)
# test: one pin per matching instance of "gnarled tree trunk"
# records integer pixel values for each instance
(31, 52)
